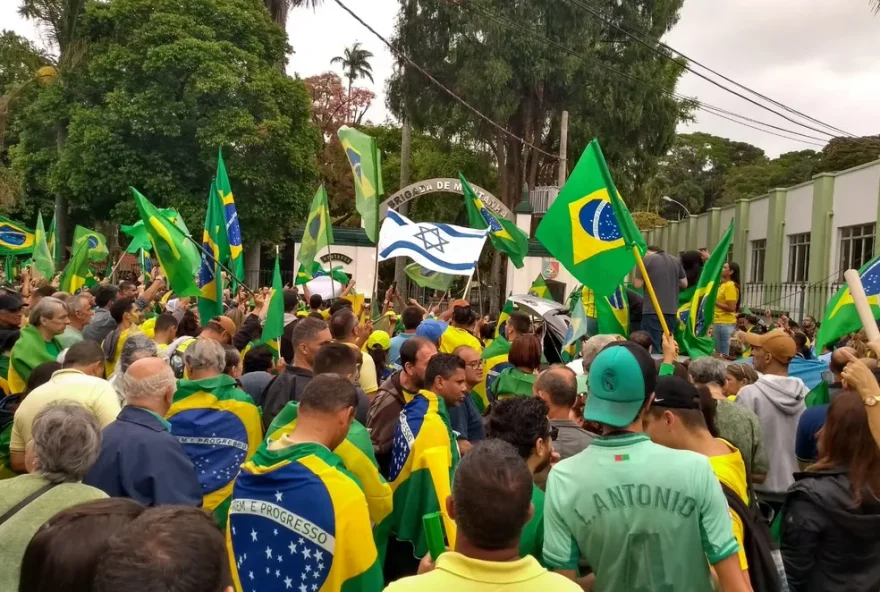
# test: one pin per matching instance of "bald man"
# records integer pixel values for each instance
(813, 419)
(140, 459)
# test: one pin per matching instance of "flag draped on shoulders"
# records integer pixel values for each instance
(589, 229)
(273, 328)
(214, 245)
(422, 426)
(318, 232)
(299, 521)
(356, 452)
(363, 156)
(230, 214)
(701, 312)
(841, 317)
(220, 428)
(612, 313)
(503, 233)
(43, 260)
(28, 353)
(76, 272)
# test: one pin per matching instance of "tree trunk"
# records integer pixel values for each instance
(497, 280)
(348, 109)
(60, 198)
(252, 260)
(405, 156)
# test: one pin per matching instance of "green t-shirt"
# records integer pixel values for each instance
(512, 382)
(645, 517)
(531, 542)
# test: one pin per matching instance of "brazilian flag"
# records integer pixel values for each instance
(502, 318)
(306, 274)
(15, 239)
(318, 233)
(220, 428)
(76, 273)
(273, 328)
(356, 452)
(612, 313)
(29, 352)
(54, 243)
(841, 317)
(589, 229)
(299, 521)
(97, 242)
(176, 256)
(701, 313)
(43, 260)
(214, 245)
(422, 426)
(233, 228)
(366, 168)
(428, 278)
(539, 288)
(504, 234)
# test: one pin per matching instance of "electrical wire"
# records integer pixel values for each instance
(437, 83)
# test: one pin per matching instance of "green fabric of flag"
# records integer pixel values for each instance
(97, 242)
(318, 233)
(74, 276)
(169, 244)
(54, 243)
(43, 261)
(841, 317)
(273, 328)
(214, 244)
(29, 352)
(612, 313)
(363, 156)
(578, 326)
(15, 238)
(138, 232)
(820, 395)
(539, 288)
(428, 278)
(702, 309)
(589, 229)
(502, 318)
(304, 275)
(504, 234)
(223, 188)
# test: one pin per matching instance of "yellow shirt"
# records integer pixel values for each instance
(463, 574)
(726, 293)
(454, 337)
(731, 471)
(368, 379)
(95, 394)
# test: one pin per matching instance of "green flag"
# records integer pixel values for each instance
(54, 243)
(589, 229)
(74, 275)
(363, 156)
(539, 288)
(304, 275)
(273, 329)
(818, 396)
(578, 326)
(841, 317)
(97, 242)
(15, 238)
(43, 261)
(214, 243)
(318, 232)
(223, 188)
(138, 232)
(702, 310)
(612, 313)
(504, 234)
(169, 243)
(428, 278)
(502, 318)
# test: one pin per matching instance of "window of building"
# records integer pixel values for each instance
(759, 255)
(856, 247)
(798, 257)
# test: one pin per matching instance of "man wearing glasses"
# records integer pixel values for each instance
(465, 419)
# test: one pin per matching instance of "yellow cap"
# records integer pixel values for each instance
(380, 338)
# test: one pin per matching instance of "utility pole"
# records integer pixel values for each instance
(563, 149)
(405, 159)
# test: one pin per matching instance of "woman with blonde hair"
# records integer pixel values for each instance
(739, 376)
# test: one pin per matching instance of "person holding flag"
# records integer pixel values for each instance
(667, 276)
(297, 513)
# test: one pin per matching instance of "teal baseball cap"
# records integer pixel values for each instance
(622, 377)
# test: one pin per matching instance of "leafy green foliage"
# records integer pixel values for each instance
(166, 84)
(648, 220)
(844, 153)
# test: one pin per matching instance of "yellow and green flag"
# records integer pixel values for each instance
(428, 278)
(97, 242)
(841, 317)
(306, 274)
(363, 156)
(15, 238)
(75, 274)
(589, 229)
(318, 232)
(502, 318)
(44, 263)
(273, 328)
(539, 288)
(214, 243)
(170, 245)
(233, 228)
(504, 234)
(612, 313)
(54, 243)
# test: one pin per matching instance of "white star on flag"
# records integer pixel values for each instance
(278, 496)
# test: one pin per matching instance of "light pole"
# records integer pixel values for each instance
(681, 205)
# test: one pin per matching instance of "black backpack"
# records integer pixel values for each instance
(766, 570)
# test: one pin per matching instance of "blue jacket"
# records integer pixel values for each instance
(141, 460)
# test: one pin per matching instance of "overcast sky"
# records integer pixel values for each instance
(816, 56)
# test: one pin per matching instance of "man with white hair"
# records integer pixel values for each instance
(79, 313)
(591, 349)
(140, 459)
(136, 347)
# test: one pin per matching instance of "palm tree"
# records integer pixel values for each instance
(279, 9)
(355, 62)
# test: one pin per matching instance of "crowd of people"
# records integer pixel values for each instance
(144, 447)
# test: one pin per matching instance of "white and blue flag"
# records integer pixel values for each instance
(439, 247)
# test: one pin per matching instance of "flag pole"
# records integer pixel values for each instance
(377, 176)
(650, 290)
(223, 267)
(480, 284)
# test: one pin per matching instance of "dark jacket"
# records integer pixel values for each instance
(284, 388)
(141, 460)
(251, 329)
(286, 341)
(827, 544)
(382, 419)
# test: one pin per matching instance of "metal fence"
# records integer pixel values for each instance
(795, 300)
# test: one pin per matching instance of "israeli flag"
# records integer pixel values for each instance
(439, 247)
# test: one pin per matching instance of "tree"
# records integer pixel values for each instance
(844, 153)
(279, 9)
(330, 103)
(523, 81)
(167, 83)
(355, 62)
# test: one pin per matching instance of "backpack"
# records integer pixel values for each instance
(766, 571)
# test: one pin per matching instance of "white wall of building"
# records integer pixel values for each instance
(726, 215)
(702, 231)
(798, 218)
(759, 210)
(855, 202)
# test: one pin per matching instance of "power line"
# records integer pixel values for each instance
(595, 11)
(436, 82)
(700, 104)
(762, 130)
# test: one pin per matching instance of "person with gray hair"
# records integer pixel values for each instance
(136, 347)
(593, 346)
(205, 358)
(79, 313)
(140, 459)
(38, 342)
(65, 444)
(737, 424)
